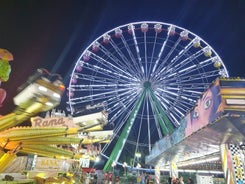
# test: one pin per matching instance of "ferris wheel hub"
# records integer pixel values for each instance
(147, 84)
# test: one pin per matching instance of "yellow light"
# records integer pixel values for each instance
(41, 175)
(138, 155)
(97, 159)
(56, 95)
(49, 104)
(41, 88)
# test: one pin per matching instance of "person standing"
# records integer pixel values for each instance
(190, 181)
(138, 178)
(117, 179)
(142, 178)
(110, 177)
(181, 180)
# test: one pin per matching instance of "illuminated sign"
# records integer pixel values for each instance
(52, 122)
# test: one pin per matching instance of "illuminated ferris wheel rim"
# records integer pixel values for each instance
(132, 25)
(147, 22)
(117, 69)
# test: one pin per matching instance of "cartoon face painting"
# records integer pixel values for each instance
(207, 108)
(200, 114)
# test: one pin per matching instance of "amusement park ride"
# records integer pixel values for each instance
(52, 136)
(218, 144)
(152, 76)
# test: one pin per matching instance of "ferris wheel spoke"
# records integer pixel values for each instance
(138, 135)
(202, 78)
(152, 68)
(195, 85)
(132, 142)
(145, 55)
(96, 96)
(116, 109)
(181, 70)
(161, 66)
(125, 100)
(137, 50)
(124, 62)
(121, 66)
(145, 118)
(124, 115)
(161, 52)
(198, 76)
(105, 73)
(106, 87)
(180, 111)
(159, 132)
(110, 57)
(137, 68)
(181, 100)
(172, 102)
(191, 68)
(170, 71)
(148, 123)
(165, 123)
(160, 55)
(108, 66)
(174, 64)
(178, 92)
(98, 79)
(183, 80)
(181, 108)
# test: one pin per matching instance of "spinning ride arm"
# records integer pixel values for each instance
(6, 159)
(42, 92)
(39, 95)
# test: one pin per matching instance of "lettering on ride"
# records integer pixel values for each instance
(49, 163)
(50, 122)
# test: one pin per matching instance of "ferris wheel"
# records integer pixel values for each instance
(148, 75)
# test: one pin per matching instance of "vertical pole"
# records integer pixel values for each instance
(173, 170)
(157, 175)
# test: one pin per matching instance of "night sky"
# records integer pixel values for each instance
(53, 34)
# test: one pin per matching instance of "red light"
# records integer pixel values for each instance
(62, 87)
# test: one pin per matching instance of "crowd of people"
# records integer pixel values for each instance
(144, 178)
(141, 178)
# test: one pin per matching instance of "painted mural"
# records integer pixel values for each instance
(207, 109)
(223, 96)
